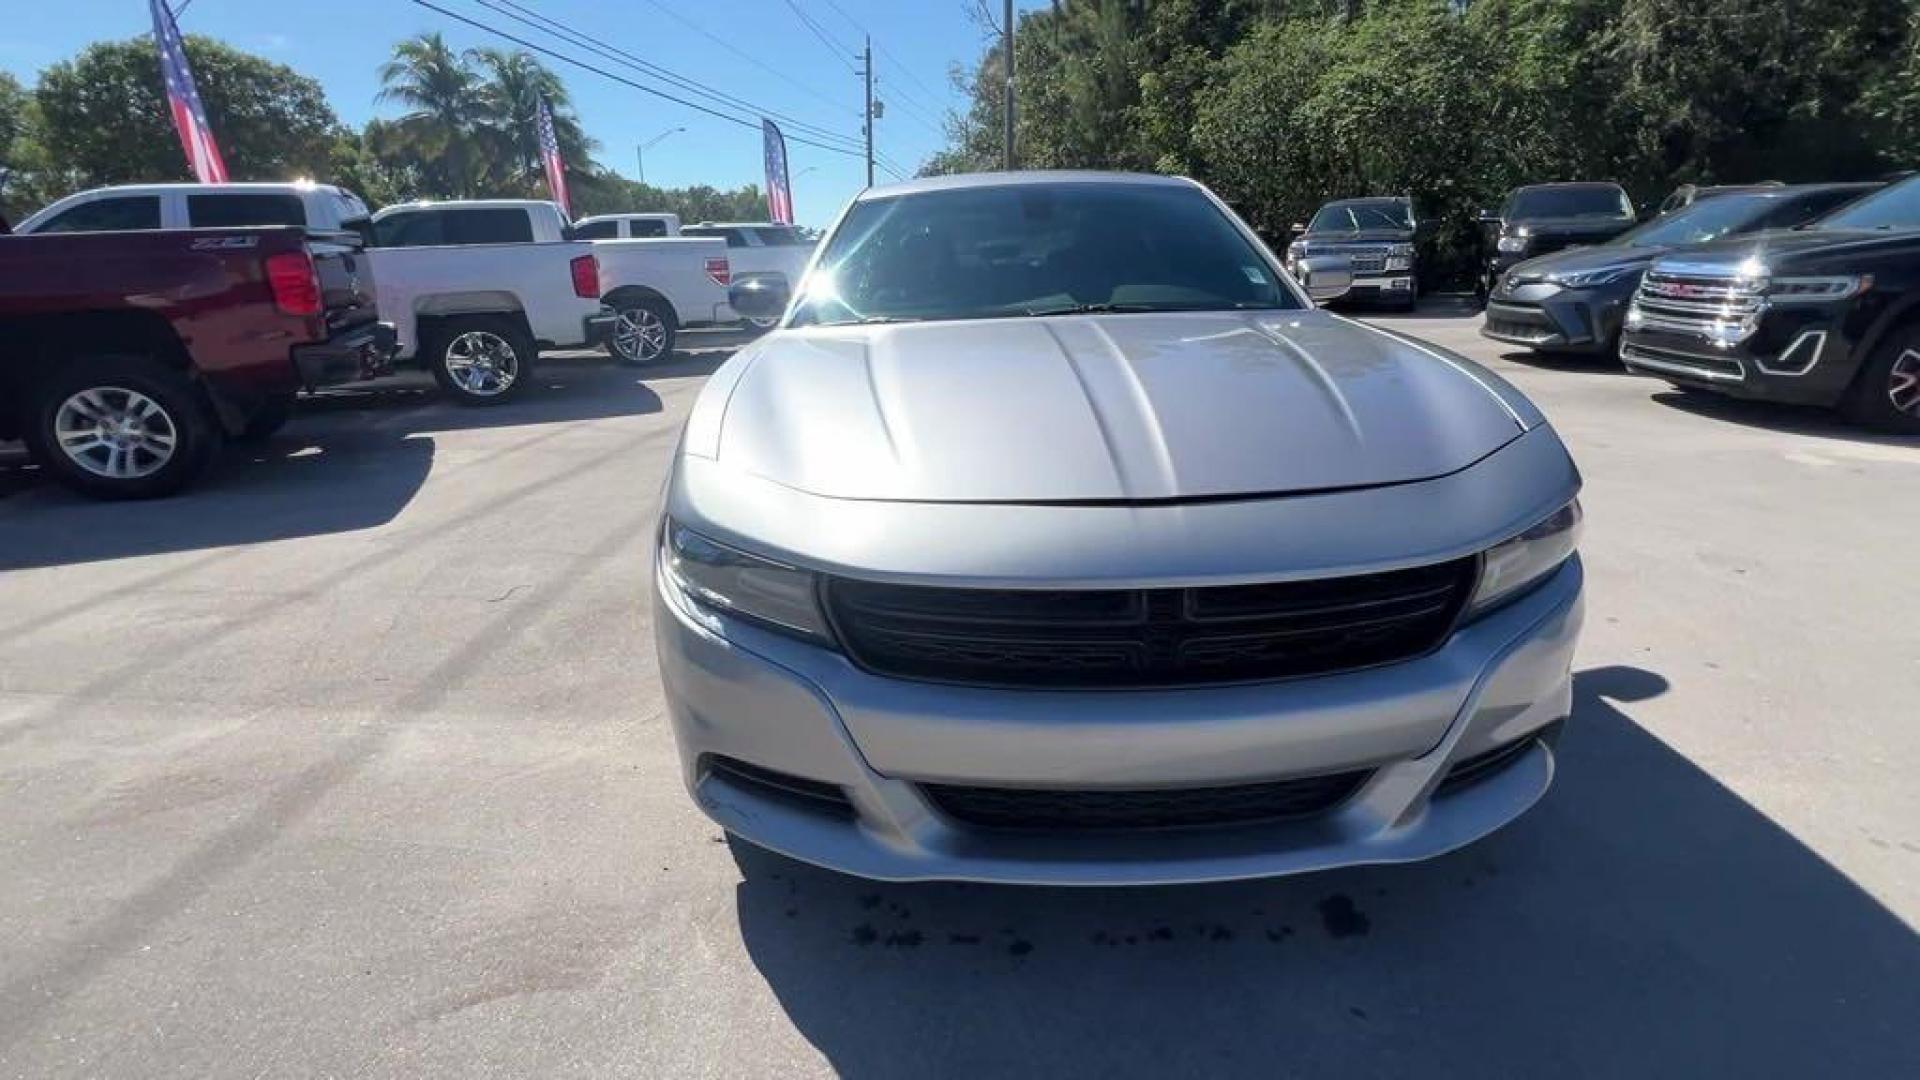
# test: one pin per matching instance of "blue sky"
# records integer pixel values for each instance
(785, 68)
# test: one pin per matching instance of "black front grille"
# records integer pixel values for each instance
(1242, 804)
(1091, 639)
(797, 791)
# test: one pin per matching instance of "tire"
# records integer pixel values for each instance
(1886, 392)
(644, 333)
(482, 359)
(266, 421)
(760, 326)
(121, 427)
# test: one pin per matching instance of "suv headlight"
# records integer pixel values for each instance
(1590, 278)
(1400, 257)
(1513, 566)
(1514, 244)
(1786, 290)
(725, 580)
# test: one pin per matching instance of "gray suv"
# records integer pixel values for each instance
(1054, 537)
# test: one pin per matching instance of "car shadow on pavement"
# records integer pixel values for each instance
(1642, 921)
(348, 460)
(1791, 419)
(1431, 306)
(1571, 363)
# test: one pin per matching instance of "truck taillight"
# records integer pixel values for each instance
(719, 271)
(586, 277)
(295, 285)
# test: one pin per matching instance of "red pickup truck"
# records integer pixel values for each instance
(127, 358)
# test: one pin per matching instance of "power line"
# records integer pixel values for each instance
(735, 50)
(820, 32)
(904, 69)
(623, 80)
(574, 37)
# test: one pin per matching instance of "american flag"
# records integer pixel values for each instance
(550, 158)
(779, 195)
(189, 116)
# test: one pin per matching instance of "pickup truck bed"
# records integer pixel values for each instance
(126, 358)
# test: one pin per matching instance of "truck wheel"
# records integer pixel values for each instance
(481, 360)
(643, 332)
(266, 421)
(121, 427)
(1886, 393)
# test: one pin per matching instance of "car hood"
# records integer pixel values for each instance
(1583, 260)
(1779, 248)
(1363, 236)
(1110, 408)
(1599, 228)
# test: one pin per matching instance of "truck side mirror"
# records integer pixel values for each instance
(1297, 228)
(759, 297)
(1326, 277)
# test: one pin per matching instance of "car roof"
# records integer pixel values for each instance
(469, 204)
(1358, 199)
(263, 186)
(1562, 184)
(1011, 179)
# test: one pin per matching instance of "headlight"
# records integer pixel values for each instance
(727, 580)
(1400, 257)
(1513, 245)
(1792, 289)
(1513, 566)
(1590, 278)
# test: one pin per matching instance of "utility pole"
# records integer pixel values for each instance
(1006, 46)
(867, 66)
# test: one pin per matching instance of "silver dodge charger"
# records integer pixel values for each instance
(1055, 537)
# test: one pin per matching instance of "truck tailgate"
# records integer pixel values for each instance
(346, 279)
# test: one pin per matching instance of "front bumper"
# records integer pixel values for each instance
(1541, 315)
(1798, 356)
(742, 694)
(361, 352)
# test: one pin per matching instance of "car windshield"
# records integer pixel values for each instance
(1897, 207)
(1036, 249)
(1570, 202)
(1355, 216)
(1708, 219)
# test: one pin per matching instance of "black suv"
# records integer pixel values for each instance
(1376, 236)
(1543, 218)
(1828, 314)
(1575, 300)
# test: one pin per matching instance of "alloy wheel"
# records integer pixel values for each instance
(1903, 382)
(639, 335)
(482, 363)
(116, 433)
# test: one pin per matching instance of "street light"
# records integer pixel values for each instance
(640, 151)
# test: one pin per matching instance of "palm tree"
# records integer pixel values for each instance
(447, 103)
(512, 87)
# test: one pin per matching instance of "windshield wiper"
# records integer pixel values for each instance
(1129, 309)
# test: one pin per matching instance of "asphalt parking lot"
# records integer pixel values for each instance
(352, 763)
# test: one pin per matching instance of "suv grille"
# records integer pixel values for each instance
(1244, 804)
(1061, 639)
(1693, 303)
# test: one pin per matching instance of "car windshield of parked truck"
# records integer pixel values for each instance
(1708, 219)
(1036, 249)
(1356, 216)
(1605, 201)
(1897, 207)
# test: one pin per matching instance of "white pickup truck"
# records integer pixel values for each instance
(475, 289)
(755, 249)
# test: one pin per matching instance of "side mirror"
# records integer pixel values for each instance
(1326, 277)
(1488, 217)
(1297, 228)
(759, 297)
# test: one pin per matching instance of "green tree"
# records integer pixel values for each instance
(514, 84)
(104, 118)
(446, 103)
